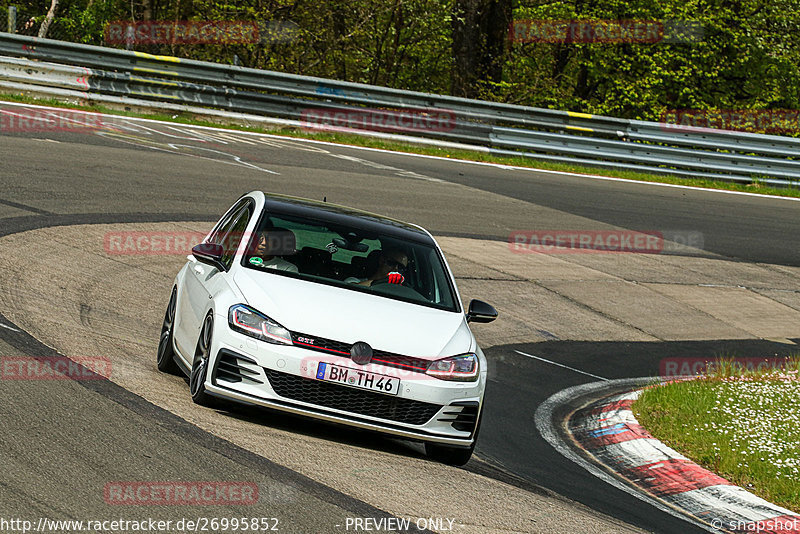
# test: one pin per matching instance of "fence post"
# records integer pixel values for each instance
(12, 19)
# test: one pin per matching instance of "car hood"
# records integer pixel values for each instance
(348, 316)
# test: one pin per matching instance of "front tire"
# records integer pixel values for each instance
(202, 355)
(455, 456)
(165, 359)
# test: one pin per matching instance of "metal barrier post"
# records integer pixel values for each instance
(12, 19)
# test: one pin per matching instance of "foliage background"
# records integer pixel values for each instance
(748, 57)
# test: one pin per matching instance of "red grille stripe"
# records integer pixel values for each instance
(322, 348)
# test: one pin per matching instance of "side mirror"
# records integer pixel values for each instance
(209, 253)
(480, 312)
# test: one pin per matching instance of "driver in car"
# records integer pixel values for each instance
(270, 241)
(392, 263)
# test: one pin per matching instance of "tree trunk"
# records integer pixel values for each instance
(147, 10)
(480, 43)
(465, 36)
(496, 25)
(51, 14)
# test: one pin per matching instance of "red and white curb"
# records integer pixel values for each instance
(608, 431)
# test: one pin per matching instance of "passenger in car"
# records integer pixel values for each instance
(392, 263)
(270, 241)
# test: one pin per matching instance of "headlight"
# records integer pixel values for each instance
(463, 368)
(254, 324)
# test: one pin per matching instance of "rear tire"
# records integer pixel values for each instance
(202, 355)
(165, 359)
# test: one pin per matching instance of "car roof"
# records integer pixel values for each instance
(344, 216)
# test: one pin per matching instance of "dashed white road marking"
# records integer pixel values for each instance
(8, 327)
(237, 160)
(172, 148)
(381, 166)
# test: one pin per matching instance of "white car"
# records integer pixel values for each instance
(331, 313)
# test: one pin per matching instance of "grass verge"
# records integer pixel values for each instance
(742, 424)
(371, 142)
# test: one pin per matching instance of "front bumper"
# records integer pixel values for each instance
(283, 378)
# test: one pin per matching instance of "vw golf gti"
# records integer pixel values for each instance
(332, 313)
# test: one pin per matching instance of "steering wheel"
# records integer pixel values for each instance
(385, 280)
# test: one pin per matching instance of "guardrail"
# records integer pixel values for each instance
(505, 129)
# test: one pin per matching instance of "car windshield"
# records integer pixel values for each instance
(352, 258)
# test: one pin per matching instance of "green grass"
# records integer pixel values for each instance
(756, 186)
(743, 425)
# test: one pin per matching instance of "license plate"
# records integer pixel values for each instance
(348, 376)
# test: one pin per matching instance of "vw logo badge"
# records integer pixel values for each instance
(361, 353)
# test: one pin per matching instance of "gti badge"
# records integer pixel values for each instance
(361, 353)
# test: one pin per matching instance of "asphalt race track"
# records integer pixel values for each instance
(595, 315)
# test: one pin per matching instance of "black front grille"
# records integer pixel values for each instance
(351, 399)
(339, 348)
